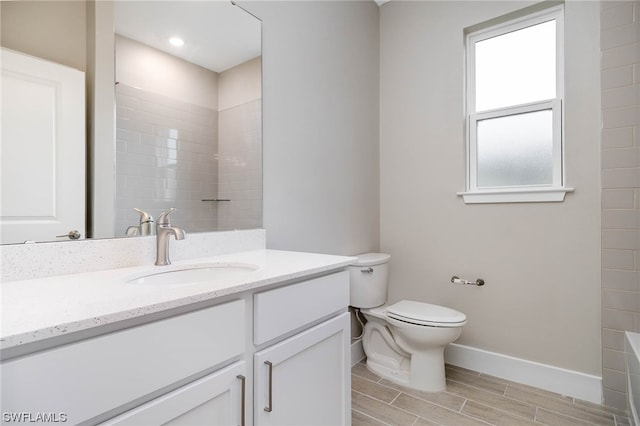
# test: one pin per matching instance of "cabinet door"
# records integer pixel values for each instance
(216, 399)
(305, 380)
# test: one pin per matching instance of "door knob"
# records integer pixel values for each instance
(74, 234)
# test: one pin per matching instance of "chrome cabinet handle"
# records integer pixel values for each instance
(269, 408)
(242, 405)
(368, 270)
(74, 234)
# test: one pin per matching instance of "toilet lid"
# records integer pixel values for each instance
(425, 314)
(371, 259)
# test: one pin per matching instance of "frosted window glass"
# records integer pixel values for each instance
(516, 68)
(515, 150)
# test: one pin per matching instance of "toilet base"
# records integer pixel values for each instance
(423, 371)
(396, 376)
(427, 371)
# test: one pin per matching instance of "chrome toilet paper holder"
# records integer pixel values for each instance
(457, 280)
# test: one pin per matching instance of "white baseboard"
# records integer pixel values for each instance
(554, 379)
(357, 352)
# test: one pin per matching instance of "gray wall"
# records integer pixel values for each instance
(52, 30)
(541, 261)
(320, 76)
(620, 44)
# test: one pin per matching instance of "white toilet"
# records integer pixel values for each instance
(404, 342)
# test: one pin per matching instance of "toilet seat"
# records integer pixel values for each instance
(425, 314)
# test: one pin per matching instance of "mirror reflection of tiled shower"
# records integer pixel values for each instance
(240, 147)
(177, 145)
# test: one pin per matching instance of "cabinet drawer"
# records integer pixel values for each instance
(284, 309)
(88, 378)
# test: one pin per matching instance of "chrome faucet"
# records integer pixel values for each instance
(163, 231)
(144, 228)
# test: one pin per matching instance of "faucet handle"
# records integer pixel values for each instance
(144, 216)
(163, 219)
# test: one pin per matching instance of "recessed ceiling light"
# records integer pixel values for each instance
(176, 41)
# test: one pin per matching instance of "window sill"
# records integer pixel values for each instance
(520, 195)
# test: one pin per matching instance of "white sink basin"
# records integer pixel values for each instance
(191, 274)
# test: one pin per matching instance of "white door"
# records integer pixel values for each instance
(42, 149)
(305, 380)
(216, 399)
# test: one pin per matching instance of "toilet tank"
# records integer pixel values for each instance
(368, 280)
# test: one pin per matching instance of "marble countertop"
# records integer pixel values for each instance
(38, 309)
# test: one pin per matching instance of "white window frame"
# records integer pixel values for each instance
(519, 193)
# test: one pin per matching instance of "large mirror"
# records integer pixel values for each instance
(186, 125)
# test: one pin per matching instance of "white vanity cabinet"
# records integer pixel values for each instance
(286, 349)
(87, 380)
(304, 379)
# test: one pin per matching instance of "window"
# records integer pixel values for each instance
(514, 82)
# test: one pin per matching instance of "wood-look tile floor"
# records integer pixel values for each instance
(471, 398)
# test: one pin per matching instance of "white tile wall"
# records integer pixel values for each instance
(620, 46)
(617, 138)
(240, 146)
(616, 77)
(240, 166)
(166, 157)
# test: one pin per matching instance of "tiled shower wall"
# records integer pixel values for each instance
(166, 157)
(240, 146)
(240, 166)
(620, 65)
